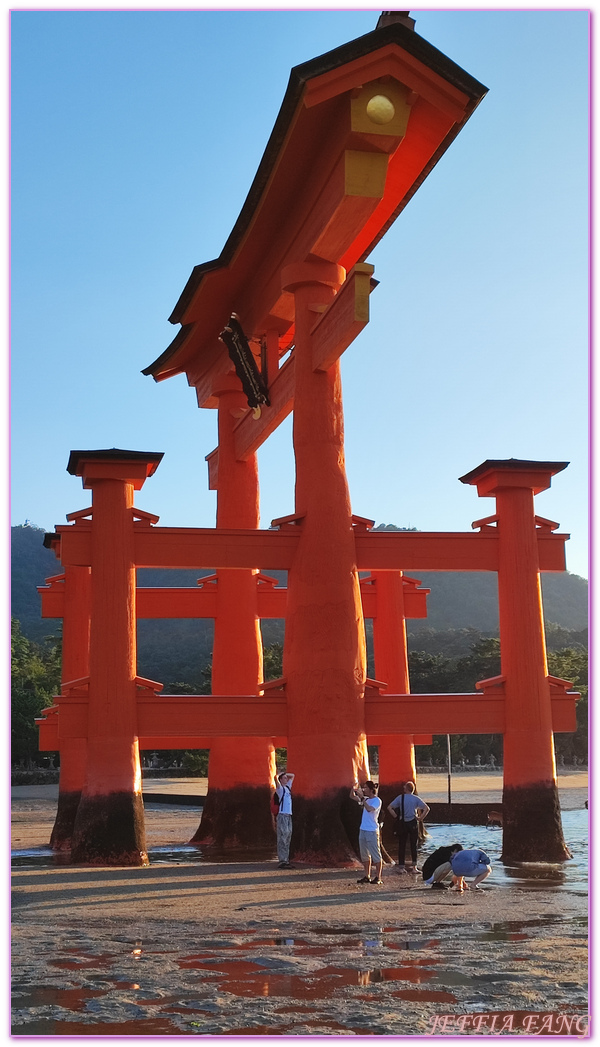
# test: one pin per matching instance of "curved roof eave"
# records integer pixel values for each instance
(393, 33)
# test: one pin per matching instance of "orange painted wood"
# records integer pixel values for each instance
(426, 551)
(250, 433)
(274, 550)
(193, 547)
(75, 664)
(388, 60)
(300, 210)
(195, 720)
(113, 760)
(201, 603)
(174, 603)
(344, 319)
(324, 648)
(396, 754)
(237, 658)
(216, 717)
(528, 748)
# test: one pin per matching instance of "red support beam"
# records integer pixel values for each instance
(201, 603)
(190, 547)
(192, 721)
(250, 433)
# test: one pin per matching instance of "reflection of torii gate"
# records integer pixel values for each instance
(358, 131)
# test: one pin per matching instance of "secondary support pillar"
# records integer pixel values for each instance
(396, 752)
(236, 815)
(532, 828)
(324, 651)
(109, 826)
(75, 666)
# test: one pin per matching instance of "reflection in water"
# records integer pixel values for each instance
(571, 875)
(532, 872)
(59, 1027)
(242, 964)
(220, 974)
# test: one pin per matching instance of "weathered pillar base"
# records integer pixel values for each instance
(532, 827)
(66, 814)
(237, 821)
(325, 829)
(109, 830)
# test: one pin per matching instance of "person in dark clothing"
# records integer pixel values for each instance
(439, 865)
(409, 809)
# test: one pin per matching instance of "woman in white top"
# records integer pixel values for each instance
(368, 835)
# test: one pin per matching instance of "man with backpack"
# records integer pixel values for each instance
(408, 808)
(282, 803)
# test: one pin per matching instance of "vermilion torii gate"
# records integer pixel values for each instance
(358, 131)
(100, 721)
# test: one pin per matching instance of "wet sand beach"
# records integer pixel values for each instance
(189, 946)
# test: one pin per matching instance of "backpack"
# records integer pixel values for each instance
(275, 801)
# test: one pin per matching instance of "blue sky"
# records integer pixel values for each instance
(123, 179)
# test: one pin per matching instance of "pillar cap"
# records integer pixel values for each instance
(512, 472)
(312, 271)
(113, 463)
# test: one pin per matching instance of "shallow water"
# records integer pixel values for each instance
(571, 875)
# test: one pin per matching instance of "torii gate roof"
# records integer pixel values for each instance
(304, 203)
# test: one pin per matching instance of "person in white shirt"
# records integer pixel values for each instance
(368, 835)
(283, 788)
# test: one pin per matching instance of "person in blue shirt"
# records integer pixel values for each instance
(409, 809)
(470, 863)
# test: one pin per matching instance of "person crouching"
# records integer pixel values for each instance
(438, 866)
(474, 863)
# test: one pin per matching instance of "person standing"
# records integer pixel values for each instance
(283, 826)
(409, 809)
(368, 834)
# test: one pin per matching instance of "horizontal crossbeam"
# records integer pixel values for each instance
(191, 721)
(202, 603)
(188, 547)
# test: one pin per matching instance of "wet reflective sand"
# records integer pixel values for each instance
(389, 961)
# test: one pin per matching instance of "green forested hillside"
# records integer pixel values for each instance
(462, 607)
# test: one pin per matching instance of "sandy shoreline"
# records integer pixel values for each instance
(200, 947)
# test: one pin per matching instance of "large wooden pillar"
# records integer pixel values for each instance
(109, 826)
(75, 666)
(324, 652)
(532, 823)
(236, 815)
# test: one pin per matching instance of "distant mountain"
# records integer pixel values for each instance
(461, 606)
(469, 599)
